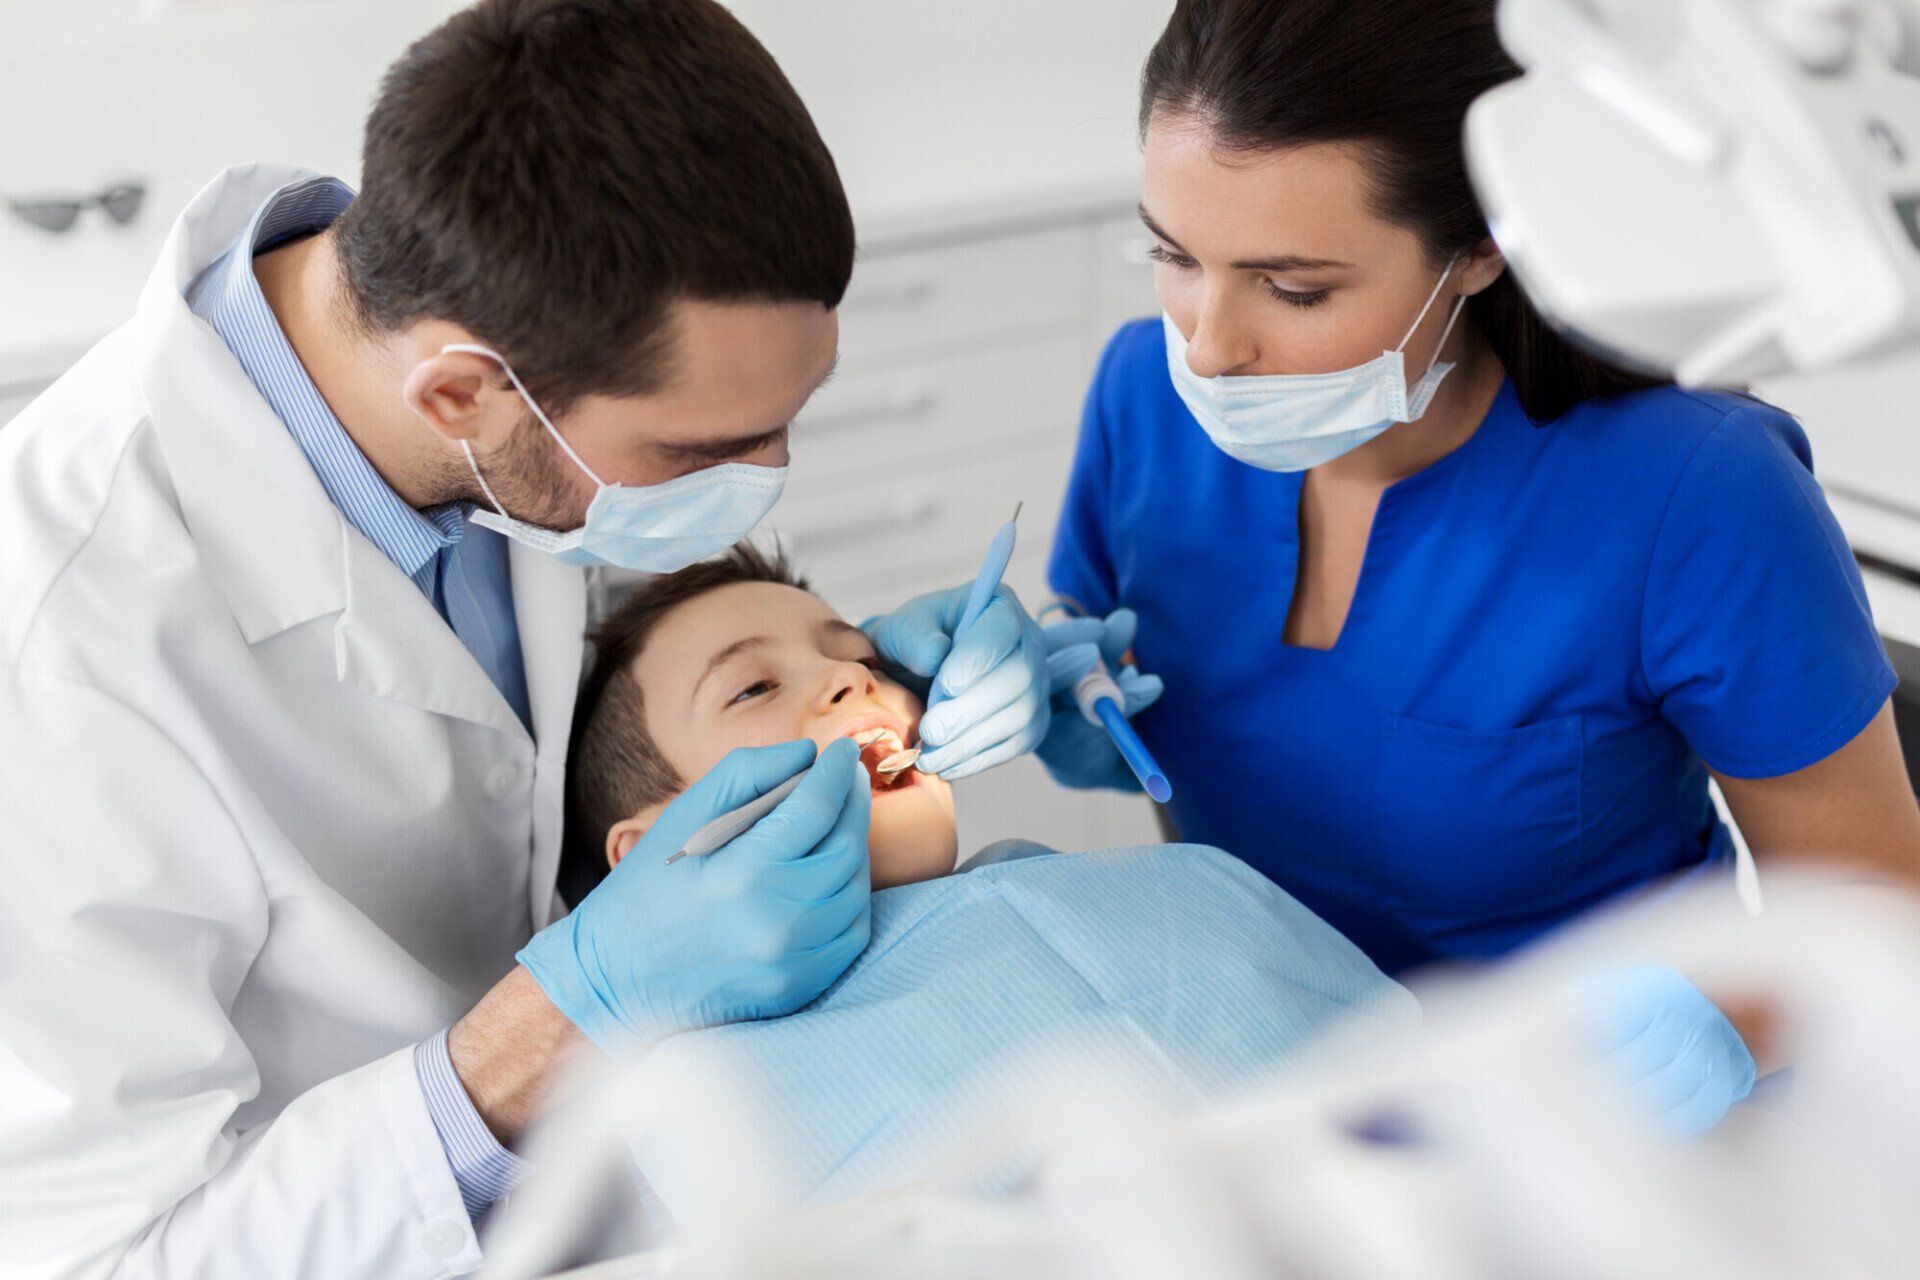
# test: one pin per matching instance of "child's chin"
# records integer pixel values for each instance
(907, 853)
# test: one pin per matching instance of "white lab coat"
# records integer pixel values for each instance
(264, 825)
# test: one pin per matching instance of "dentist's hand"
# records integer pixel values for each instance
(1671, 1045)
(994, 679)
(755, 930)
(1076, 753)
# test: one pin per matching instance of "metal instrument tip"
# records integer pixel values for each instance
(1016, 510)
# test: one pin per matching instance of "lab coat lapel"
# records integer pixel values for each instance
(392, 643)
(550, 604)
(270, 537)
(279, 549)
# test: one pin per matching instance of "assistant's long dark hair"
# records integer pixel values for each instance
(1395, 77)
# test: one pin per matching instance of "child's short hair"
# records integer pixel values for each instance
(615, 769)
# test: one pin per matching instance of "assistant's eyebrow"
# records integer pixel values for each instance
(723, 656)
(1157, 229)
(1284, 263)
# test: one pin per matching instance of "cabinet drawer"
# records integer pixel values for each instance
(943, 410)
(869, 591)
(932, 300)
(1019, 801)
(1122, 273)
(886, 518)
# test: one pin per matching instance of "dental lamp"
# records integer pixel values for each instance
(1719, 190)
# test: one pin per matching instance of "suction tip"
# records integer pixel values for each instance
(1160, 789)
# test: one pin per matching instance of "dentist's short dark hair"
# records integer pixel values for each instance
(553, 175)
(1394, 78)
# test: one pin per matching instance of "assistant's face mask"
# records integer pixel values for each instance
(657, 528)
(1293, 421)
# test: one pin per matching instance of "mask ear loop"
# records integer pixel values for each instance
(1459, 305)
(476, 350)
(484, 486)
(1417, 320)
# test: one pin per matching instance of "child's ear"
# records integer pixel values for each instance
(622, 836)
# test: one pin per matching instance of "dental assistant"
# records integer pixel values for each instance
(1455, 621)
(291, 615)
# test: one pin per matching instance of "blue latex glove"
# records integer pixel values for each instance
(754, 930)
(1077, 753)
(994, 680)
(1672, 1045)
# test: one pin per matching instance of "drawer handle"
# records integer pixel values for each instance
(887, 518)
(908, 293)
(911, 405)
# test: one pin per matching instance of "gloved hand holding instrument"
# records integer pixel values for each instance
(756, 930)
(1077, 751)
(981, 664)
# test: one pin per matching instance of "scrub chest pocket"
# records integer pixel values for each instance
(1486, 823)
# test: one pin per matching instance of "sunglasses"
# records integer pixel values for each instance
(121, 202)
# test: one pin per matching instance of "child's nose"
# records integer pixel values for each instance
(847, 680)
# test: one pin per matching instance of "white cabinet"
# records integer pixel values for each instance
(929, 301)
(1121, 271)
(933, 411)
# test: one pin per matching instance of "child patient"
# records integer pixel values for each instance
(737, 652)
(1168, 973)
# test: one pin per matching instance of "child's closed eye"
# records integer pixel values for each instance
(752, 691)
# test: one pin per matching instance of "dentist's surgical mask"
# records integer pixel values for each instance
(657, 528)
(1293, 421)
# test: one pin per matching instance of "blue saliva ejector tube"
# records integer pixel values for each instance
(1100, 700)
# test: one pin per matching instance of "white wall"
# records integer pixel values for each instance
(91, 88)
(96, 90)
(925, 103)
(920, 99)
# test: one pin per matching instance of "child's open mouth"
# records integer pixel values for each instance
(888, 761)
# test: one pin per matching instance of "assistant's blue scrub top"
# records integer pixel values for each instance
(1554, 627)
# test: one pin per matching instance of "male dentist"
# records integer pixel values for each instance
(290, 628)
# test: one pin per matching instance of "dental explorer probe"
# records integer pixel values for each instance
(999, 552)
(985, 583)
(732, 824)
(729, 826)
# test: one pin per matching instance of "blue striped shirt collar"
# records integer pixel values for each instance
(228, 297)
